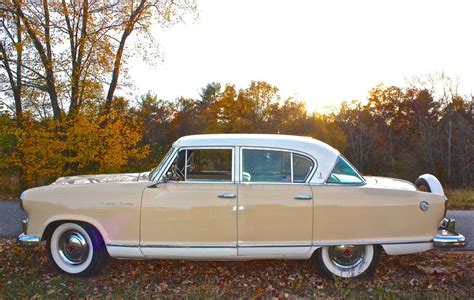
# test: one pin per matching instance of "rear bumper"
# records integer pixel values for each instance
(447, 237)
(27, 240)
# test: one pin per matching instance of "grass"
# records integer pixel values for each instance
(460, 198)
(25, 273)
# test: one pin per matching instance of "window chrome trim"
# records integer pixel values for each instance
(176, 153)
(303, 154)
(343, 184)
(291, 168)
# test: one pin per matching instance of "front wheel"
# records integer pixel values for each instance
(77, 249)
(347, 261)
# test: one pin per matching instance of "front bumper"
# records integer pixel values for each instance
(447, 237)
(28, 240)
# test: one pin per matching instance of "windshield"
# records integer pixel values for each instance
(344, 173)
(160, 166)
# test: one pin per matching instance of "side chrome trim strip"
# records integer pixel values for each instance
(275, 246)
(373, 243)
(123, 245)
(189, 246)
(272, 245)
(171, 246)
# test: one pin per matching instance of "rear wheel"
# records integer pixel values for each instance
(422, 185)
(77, 249)
(347, 261)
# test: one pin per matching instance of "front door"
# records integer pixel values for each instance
(192, 213)
(275, 213)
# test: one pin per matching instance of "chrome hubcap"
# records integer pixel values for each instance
(73, 247)
(347, 257)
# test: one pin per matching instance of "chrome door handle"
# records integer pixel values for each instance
(227, 195)
(303, 197)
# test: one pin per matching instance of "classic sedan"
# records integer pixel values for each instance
(239, 197)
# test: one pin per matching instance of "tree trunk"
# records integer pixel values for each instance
(77, 53)
(134, 17)
(19, 63)
(51, 82)
(45, 55)
(11, 79)
(449, 144)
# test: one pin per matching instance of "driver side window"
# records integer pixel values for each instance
(202, 165)
(176, 170)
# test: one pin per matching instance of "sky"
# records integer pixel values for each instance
(322, 52)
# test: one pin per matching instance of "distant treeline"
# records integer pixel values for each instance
(398, 132)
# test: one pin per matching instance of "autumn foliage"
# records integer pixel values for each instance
(399, 132)
(40, 151)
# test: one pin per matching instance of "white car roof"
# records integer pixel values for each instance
(324, 154)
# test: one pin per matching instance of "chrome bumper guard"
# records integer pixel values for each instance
(27, 240)
(447, 237)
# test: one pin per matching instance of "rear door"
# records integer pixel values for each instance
(275, 209)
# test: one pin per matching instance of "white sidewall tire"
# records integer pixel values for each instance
(54, 248)
(355, 272)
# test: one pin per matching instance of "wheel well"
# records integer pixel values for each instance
(321, 247)
(48, 231)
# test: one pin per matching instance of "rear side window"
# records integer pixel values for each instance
(266, 166)
(274, 166)
(302, 167)
(207, 165)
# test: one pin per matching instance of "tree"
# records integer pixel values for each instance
(96, 33)
(157, 116)
(138, 16)
(11, 52)
(210, 93)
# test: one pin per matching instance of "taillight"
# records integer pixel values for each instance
(445, 205)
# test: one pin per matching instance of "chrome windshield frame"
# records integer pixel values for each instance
(155, 173)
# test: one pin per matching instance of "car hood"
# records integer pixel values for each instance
(103, 178)
(389, 183)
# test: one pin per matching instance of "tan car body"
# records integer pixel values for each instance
(141, 216)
